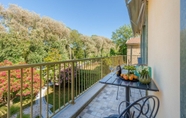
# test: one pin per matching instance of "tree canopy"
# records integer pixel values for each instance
(26, 36)
(120, 36)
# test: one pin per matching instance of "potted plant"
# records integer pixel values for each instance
(144, 77)
(130, 69)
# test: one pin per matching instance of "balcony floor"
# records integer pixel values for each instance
(105, 102)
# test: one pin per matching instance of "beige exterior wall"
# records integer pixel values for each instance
(135, 53)
(164, 54)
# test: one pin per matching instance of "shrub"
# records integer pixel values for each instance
(15, 82)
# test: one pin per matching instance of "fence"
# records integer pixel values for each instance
(42, 90)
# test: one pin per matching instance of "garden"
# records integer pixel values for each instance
(86, 74)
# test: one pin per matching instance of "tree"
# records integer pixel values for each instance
(77, 44)
(12, 48)
(25, 36)
(15, 80)
(53, 55)
(112, 52)
(120, 36)
(88, 46)
(36, 52)
(99, 44)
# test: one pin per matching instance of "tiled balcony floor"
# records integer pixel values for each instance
(105, 102)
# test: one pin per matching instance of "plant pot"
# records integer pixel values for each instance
(144, 79)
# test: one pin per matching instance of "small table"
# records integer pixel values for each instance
(112, 79)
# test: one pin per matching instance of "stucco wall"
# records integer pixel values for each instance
(164, 54)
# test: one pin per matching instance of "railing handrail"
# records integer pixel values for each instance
(73, 77)
(4, 68)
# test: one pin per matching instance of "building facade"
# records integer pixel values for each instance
(133, 49)
(163, 48)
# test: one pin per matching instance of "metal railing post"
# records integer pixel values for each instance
(47, 91)
(72, 83)
(59, 80)
(40, 86)
(64, 85)
(8, 96)
(31, 107)
(54, 82)
(21, 97)
(101, 68)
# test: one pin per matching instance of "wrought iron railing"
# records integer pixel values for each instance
(42, 90)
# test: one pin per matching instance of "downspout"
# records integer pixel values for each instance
(131, 54)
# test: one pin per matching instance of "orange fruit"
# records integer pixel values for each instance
(135, 77)
(126, 77)
(131, 77)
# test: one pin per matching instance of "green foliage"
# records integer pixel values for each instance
(112, 52)
(83, 83)
(12, 48)
(25, 36)
(143, 70)
(55, 49)
(123, 48)
(107, 61)
(76, 45)
(79, 53)
(53, 55)
(120, 36)
(14, 109)
(23, 116)
(34, 57)
(36, 51)
(130, 69)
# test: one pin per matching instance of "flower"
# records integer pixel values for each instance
(143, 70)
(144, 77)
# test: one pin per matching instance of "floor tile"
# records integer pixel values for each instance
(105, 103)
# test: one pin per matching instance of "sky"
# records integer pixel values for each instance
(89, 17)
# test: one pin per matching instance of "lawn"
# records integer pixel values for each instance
(15, 107)
(85, 79)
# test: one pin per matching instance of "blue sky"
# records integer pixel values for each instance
(89, 17)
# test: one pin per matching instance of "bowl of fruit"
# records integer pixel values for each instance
(129, 77)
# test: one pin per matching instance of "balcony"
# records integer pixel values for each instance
(49, 89)
(103, 104)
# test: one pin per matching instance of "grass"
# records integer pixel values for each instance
(85, 79)
(23, 116)
(15, 108)
(63, 97)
